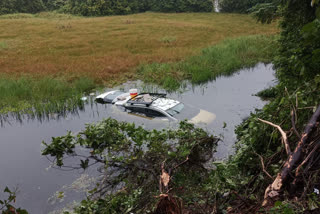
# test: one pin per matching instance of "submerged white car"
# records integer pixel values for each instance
(114, 97)
(156, 105)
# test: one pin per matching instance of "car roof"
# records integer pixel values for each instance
(164, 103)
(157, 101)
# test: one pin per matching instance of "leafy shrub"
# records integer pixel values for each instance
(231, 6)
(132, 158)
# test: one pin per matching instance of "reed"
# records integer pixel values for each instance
(42, 96)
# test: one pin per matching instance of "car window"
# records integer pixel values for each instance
(175, 109)
(114, 95)
(154, 113)
(147, 112)
(187, 112)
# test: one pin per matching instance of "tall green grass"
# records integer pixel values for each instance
(222, 59)
(42, 96)
(17, 16)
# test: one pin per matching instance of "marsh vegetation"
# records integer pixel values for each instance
(49, 59)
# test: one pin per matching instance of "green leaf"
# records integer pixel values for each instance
(224, 125)
(318, 12)
(20, 211)
(84, 164)
(277, 203)
(7, 190)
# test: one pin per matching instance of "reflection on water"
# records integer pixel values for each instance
(228, 98)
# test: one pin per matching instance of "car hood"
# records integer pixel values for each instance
(203, 117)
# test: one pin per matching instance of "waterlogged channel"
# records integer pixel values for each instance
(230, 99)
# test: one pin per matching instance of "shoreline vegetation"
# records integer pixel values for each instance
(224, 58)
(48, 70)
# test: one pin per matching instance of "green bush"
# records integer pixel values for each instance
(21, 6)
(236, 6)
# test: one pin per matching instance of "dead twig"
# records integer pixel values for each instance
(283, 134)
(263, 166)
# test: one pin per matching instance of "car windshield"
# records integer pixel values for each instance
(114, 95)
(175, 109)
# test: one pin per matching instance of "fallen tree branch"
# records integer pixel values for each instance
(274, 189)
(284, 135)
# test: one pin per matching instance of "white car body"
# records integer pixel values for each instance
(115, 97)
(153, 105)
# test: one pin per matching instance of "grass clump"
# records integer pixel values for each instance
(3, 45)
(221, 59)
(44, 15)
(168, 39)
(55, 15)
(17, 16)
(268, 93)
(42, 96)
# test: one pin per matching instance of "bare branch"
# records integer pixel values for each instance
(263, 167)
(284, 135)
(183, 162)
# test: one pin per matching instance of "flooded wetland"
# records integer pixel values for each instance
(229, 98)
(159, 107)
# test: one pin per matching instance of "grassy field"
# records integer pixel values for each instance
(106, 47)
(48, 59)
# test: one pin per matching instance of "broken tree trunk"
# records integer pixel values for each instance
(274, 189)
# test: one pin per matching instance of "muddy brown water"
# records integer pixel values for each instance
(21, 164)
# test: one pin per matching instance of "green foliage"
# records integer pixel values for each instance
(268, 93)
(298, 88)
(6, 206)
(181, 5)
(265, 12)
(122, 7)
(236, 6)
(282, 208)
(121, 202)
(104, 7)
(21, 6)
(222, 59)
(132, 159)
(298, 57)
